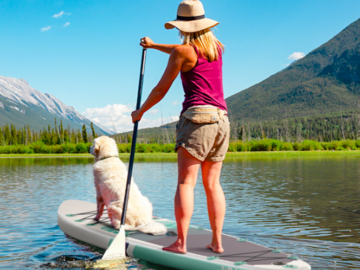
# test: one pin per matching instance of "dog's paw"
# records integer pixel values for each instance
(116, 224)
(97, 218)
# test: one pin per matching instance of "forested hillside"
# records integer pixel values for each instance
(326, 80)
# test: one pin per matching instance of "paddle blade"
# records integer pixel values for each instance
(116, 250)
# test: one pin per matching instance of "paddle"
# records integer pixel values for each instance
(117, 246)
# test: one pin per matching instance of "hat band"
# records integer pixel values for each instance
(193, 18)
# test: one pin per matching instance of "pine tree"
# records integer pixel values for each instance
(235, 128)
(1, 137)
(6, 135)
(84, 134)
(73, 136)
(24, 138)
(263, 136)
(249, 138)
(243, 131)
(342, 128)
(66, 136)
(29, 135)
(13, 137)
(78, 136)
(53, 137)
(93, 130)
(56, 138)
(61, 132)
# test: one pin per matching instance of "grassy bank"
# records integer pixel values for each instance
(172, 157)
(86, 155)
(266, 145)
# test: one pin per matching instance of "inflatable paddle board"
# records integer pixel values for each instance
(75, 219)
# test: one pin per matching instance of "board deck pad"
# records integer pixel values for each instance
(76, 218)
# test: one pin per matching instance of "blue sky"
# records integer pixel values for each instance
(88, 56)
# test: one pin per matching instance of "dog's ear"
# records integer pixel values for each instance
(97, 148)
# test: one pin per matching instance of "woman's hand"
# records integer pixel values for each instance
(146, 43)
(136, 115)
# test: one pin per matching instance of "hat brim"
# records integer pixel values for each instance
(191, 26)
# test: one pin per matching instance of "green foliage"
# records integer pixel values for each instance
(357, 143)
(262, 145)
(232, 147)
(147, 148)
(81, 148)
(308, 145)
(41, 148)
(124, 147)
(287, 147)
(349, 145)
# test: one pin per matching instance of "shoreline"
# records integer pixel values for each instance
(174, 155)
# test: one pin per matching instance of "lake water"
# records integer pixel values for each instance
(306, 206)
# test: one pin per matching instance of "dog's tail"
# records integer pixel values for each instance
(153, 228)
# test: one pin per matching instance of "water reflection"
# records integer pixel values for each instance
(307, 206)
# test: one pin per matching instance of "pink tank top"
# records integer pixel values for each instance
(203, 84)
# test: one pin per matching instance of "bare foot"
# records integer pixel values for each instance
(176, 247)
(215, 248)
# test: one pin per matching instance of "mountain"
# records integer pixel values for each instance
(325, 81)
(20, 104)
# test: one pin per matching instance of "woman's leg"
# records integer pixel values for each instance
(188, 168)
(215, 202)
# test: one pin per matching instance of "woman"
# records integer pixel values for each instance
(199, 60)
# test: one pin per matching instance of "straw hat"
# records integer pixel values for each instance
(191, 18)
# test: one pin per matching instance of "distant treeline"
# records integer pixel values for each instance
(10, 135)
(340, 126)
(322, 129)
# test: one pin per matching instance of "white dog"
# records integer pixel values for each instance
(110, 175)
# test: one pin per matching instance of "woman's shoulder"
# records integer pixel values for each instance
(183, 50)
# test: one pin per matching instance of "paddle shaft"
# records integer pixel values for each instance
(133, 142)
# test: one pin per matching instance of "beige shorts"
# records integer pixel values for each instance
(208, 142)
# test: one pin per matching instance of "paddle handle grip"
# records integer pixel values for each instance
(133, 142)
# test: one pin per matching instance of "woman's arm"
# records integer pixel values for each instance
(176, 60)
(147, 43)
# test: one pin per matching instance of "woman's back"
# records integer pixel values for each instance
(203, 83)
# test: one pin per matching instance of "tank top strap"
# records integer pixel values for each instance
(196, 50)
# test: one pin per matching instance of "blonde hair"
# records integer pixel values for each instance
(205, 42)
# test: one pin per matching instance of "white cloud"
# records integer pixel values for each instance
(175, 102)
(154, 111)
(66, 24)
(296, 56)
(60, 14)
(120, 116)
(174, 118)
(45, 28)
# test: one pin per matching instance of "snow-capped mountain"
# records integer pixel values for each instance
(16, 95)
(19, 91)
